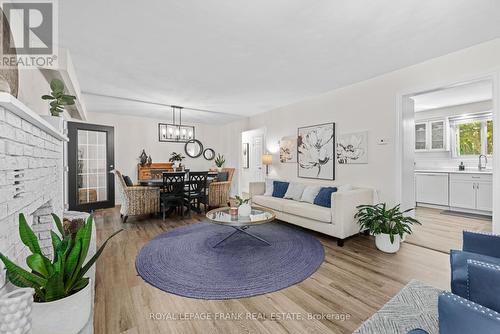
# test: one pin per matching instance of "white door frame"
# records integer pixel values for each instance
(405, 191)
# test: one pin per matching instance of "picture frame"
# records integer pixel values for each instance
(352, 148)
(244, 155)
(316, 151)
(288, 149)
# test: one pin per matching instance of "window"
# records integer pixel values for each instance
(473, 136)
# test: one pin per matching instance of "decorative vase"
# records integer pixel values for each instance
(219, 169)
(15, 311)
(143, 158)
(244, 210)
(74, 309)
(150, 160)
(383, 243)
(57, 122)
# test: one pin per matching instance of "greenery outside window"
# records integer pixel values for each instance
(473, 136)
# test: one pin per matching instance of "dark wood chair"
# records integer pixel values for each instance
(197, 191)
(173, 194)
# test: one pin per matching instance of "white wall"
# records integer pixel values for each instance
(425, 160)
(371, 105)
(32, 85)
(132, 134)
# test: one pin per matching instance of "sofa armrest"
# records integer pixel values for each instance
(481, 243)
(459, 315)
(257, 188)
(344, 208)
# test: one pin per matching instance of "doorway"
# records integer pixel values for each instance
(251, 164)
(91, 159)
(447, 135)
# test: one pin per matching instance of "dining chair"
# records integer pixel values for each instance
(197, 190)
(172, 192)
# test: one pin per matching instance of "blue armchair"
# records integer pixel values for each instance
(473, 306)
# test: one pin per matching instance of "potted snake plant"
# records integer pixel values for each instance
(62, 292)
(387, 225)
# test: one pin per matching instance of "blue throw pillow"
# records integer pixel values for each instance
(324, 197)
(484, 284)
(279, 188)
(458, 261)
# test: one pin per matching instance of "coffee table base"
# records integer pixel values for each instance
(242, 230)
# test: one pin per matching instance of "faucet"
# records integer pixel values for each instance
(480, 165)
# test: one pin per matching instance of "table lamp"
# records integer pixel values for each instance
(267, 159)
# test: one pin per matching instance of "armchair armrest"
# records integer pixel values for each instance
(459, 315)
(257, 188)
(481, 243)
(344, 205)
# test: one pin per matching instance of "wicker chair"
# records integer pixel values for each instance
(137, 200)
(218, 192)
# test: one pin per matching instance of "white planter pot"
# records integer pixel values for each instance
(244, 210)
(56, 121)
(383, 243)
(64, 316)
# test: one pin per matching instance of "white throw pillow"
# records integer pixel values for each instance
(345, 187)
(269, 187)
(310, 193)
(295, 191)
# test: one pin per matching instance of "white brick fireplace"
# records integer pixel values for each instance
(31, 175)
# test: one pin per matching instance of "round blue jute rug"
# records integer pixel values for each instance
(184, 262)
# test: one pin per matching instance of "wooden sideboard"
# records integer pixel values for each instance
(153, 171)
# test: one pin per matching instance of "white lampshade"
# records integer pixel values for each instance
(267, 159)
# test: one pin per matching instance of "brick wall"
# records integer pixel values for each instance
(31, 182)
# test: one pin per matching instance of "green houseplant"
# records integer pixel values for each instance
(176, 158)
(62, 276)
(219, 161)
(58, 99)
(388, 225)
(61, 289)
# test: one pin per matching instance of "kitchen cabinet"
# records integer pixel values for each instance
(471, 191)
(432, 188)
(432, 135)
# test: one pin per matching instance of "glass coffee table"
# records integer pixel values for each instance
(241, 224)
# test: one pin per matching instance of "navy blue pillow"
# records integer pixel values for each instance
(279, 188)
(459, 274)
(128, 181)
(324, 197)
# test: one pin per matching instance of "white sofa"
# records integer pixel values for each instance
(337, 221)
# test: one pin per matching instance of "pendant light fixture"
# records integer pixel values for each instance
(176, 132)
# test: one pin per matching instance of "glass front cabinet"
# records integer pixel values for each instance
(431, 135)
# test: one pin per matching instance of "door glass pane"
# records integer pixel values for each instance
(437, 134)
(92, 178)
(420, 134)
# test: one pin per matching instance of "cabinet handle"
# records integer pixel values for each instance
(473, 186)
(476, 177)
(477, 185)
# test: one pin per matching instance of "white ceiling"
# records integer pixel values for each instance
(452, 96)
(246, 57)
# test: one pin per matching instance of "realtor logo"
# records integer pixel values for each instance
(31, 38)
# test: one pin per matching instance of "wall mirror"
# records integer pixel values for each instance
(209, 154)
(193, 148)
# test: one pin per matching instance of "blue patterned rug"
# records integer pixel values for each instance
(183, 261)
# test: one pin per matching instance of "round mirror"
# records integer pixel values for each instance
(209, 154)
(193, 148)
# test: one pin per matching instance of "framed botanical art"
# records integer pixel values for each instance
(352, 148)
(244, 155)
(316, 151)
(288, 149)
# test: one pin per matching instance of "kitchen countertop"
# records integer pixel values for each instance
(455, 170)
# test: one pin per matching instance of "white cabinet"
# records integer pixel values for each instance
(484, 196)
(432, 135)
(471, 191)
(432, 188)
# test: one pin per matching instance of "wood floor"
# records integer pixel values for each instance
(443, 232)
(353, 282)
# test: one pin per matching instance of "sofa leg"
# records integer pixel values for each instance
(124, 219)
(340, 242)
